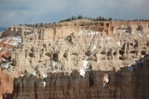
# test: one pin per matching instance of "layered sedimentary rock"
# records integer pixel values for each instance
(7, 45)
(124, 84)
(6, 83)
(65, 47)
(80, 45)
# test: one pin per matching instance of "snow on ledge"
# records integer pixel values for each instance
(95, 47)
(44, 75)
(15, 41)
(83, 69)
(34, 73)
(88, 32)
(119, 44)
(82, 72)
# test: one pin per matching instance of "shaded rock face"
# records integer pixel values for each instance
(123, 85)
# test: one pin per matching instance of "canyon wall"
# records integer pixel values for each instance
(65, 47)
(54, 51)
(6, 83)
(124, 84)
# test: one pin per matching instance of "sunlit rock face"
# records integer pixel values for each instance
(81, 45)
(6, 83)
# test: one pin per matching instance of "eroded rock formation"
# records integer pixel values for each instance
(122, 85)
(64, 47)
(6, 83)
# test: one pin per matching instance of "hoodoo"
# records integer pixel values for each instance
(80, 59)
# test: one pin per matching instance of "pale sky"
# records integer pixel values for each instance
(13, 12)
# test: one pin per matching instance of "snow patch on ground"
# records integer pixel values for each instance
(142, 56)
(124, 31)
(34, 73)
(7, 40)
(16, 41)
(54, 63)
(53, 70)
(44, 84)
(6, 65)
(82, 72)
(4, 59)
(22, 75)
(93, 33)
(108, 38)
(88, 32)
(130, 68)
(85, 62)
(44, 75)
(107, 80)
(83, 69)
(119, 44)
(95, 47)
(140, 35)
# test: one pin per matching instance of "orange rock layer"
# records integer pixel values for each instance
(6, 83)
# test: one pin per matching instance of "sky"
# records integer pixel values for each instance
(14, 12)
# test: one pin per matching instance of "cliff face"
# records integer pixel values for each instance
(6, 83)
(50, 51)
(123, 85)
(75, 46)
